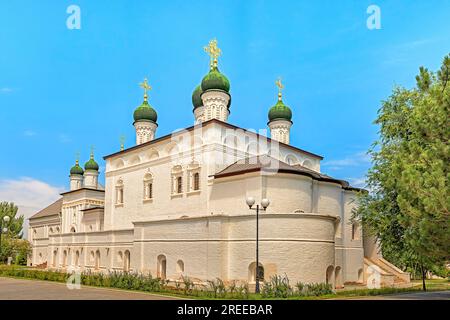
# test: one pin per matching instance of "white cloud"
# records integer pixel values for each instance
(30, 195)
(6, 90)
(29, 133)
(357, 159)
(357, 182)
(64, 138)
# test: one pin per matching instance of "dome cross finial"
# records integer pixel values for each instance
(213, 51)
(92, 151)
(77, 157)
(280, 87)
(144, 85)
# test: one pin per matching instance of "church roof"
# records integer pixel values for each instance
(170, 135)
(100, 189)
(51, 210)
(269, 165)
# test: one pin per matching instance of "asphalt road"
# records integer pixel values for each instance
(433, 295)
(21, 289)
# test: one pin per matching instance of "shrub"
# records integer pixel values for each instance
(277, 287)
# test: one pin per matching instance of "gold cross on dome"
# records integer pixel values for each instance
(213, 51)
(144, 85)
(280, 87)
(77, 157)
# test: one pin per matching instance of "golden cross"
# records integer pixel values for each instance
(92, 151)
(280, 87)
(213, 51)
(144, 85)
(77, 157)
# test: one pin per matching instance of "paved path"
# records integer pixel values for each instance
(433, 295)
(22, 289)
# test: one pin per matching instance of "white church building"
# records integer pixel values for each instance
(176, 205)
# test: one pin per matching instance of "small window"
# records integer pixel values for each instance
(196, 181)
(148, 186)
(179, 184)
(355, 231)
(119, 192)
(180, 266)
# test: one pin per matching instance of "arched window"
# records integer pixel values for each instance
(179, 184)
(51, 230)
(177, 180)
(77, 258)
(193, 176)
(355, 231)
(119, 192)
(253, 273)
(161, 266)
(360, 276)
(180, 266)
(64, 262)
(126, 261)
(55, 257)
(120, 257)
(148, 187)
(196, 181)
(97, 260)
(338, 277)
(73, 230)
(329, 275)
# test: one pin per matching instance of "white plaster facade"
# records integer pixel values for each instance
(175, 205)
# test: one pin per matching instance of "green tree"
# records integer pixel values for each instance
(14, 229)
(408, 206)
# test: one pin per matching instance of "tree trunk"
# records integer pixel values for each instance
(424, 275)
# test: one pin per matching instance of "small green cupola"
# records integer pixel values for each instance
(280, 111)
(215, 80)
(145, 112)
(196, 97)
(91, 164)
(280, 116)
(76, 169)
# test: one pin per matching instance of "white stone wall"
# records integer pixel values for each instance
(145, 131)
(280, 130)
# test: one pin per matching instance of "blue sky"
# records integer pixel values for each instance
(63, 90)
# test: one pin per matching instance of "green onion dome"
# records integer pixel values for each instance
(145, 112)
(214, 80)
(280, 111)
(91, 164)
(196, 97)
(76, 169)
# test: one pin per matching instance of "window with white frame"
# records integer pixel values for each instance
(194, 176)
(148, 186)
(177, 180)
(119, 192)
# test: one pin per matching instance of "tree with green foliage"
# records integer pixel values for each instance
(10, 245)
(407, 208)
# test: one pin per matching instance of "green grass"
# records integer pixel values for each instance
(216, 289)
